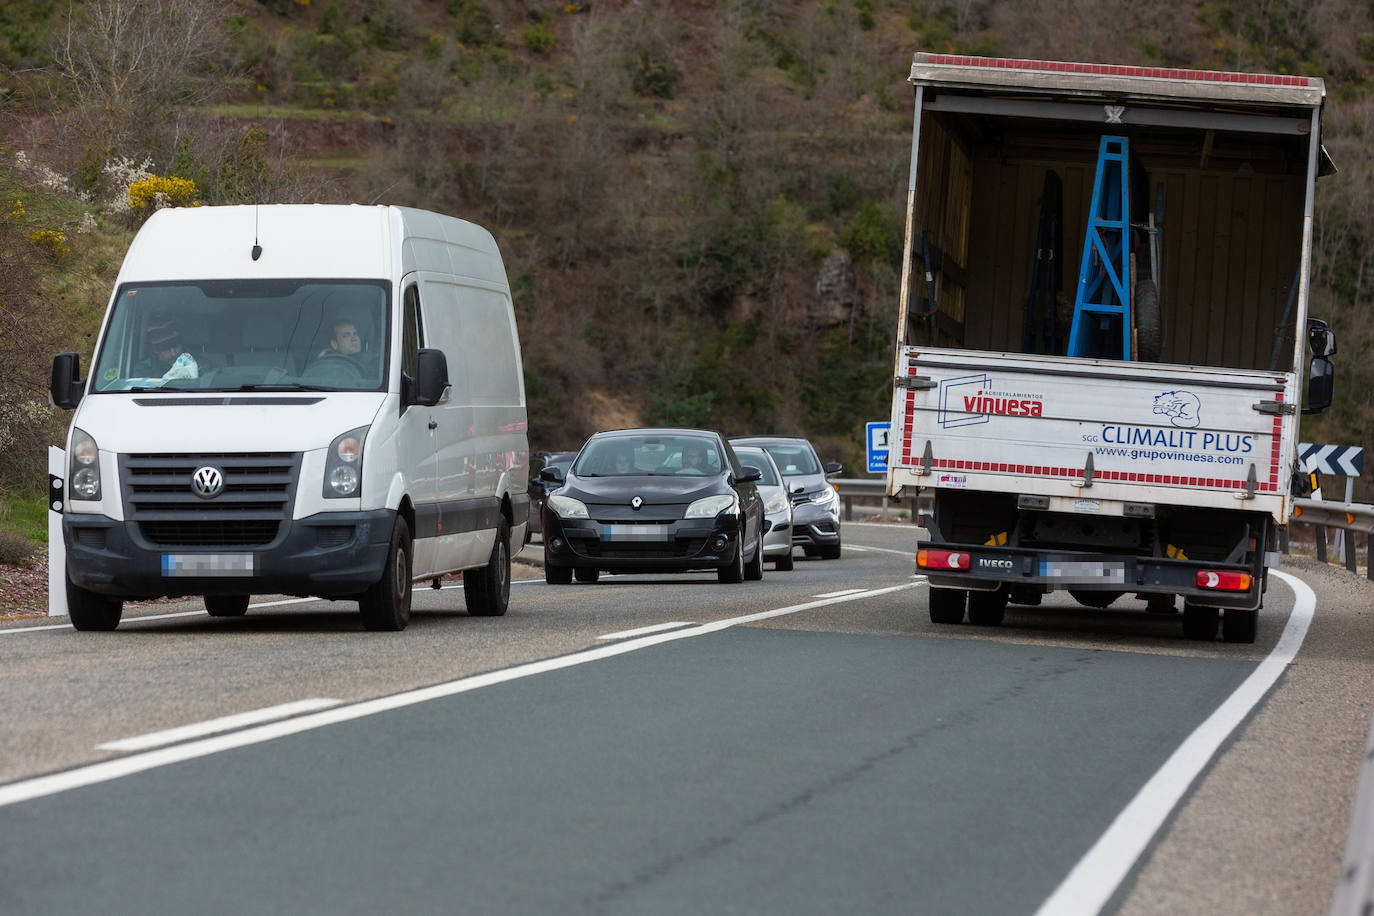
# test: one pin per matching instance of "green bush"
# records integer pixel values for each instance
(539, 38)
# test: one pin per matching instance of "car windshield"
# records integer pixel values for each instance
(223, 335)
(794, 459)
(758, 458)
(649, 455)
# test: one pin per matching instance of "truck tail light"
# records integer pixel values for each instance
(942, 559)
(1224, 580)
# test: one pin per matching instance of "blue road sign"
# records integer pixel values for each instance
(877, 447)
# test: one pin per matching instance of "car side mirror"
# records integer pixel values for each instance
(748, 475)
(431, 377)
(65, 389)
(551, 475)
(1321, 385)
(1320, 338)
(833, 467)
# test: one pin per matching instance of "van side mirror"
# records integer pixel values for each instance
(833, 467)
(1321, 385)
(431, 377)
(66, 388)
(1320, 338)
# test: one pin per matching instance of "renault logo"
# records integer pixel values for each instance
(207, 482)
(636, 502)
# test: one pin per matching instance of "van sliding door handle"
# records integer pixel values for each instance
(433, 423)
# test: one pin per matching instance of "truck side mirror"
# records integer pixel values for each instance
(431, 377)
(66, 388)
(1321, 385)
(1320, 338)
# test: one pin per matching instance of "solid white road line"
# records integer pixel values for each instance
(645, 631)
(214, 726)
(901, 553)
(1097, 875)
(29, 789)
(847, 591)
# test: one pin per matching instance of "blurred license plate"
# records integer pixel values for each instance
(634, 533)
(1113, 572)
(207, 564)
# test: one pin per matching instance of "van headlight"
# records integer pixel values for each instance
(567, 507)
(711, 506)
(83, 470)
(343, 465)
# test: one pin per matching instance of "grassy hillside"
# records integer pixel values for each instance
(700, 203)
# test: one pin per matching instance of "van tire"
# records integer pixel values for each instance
(753, 570)
(558, 575)
(386, 605)
(487, 590)
(88, 610)
(587, 574)
(226, 605)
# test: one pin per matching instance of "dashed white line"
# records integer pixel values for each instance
(847, 591)
(645, 631)
(1097, 875)
(107, 770)
(215, 726)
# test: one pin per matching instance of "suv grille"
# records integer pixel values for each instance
(259, 493)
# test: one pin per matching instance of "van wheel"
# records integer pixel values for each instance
(91, 611)
(1239, 625)
(558, 575)
(386, 605)
(487, 590)
(1200, 622)
(785, 563)
(987, 609)
(226, 605)
(587, 574)
(753, 570)
(947, 605)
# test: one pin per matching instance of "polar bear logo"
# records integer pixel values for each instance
(1183, 408)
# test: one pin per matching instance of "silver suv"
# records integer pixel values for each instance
(815, 504)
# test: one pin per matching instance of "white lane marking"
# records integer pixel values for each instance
(645, 631)
(1097, 875)
(215, 726)
(847, 591)
(901, 553)
(41, 786)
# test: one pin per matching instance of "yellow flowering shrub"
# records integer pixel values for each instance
(53, 241)
(156, 191)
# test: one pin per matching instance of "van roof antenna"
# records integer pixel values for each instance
(257, 249)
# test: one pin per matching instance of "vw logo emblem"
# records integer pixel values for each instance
(636, 503)
(207, 482)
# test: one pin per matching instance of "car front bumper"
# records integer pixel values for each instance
(813, 526)
(685, 544)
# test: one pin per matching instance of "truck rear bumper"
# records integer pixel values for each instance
(990, 568)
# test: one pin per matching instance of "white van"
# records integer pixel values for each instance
(301, 400)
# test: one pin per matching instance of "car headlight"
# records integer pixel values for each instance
(776, 505)
(825, 498)
(567, 507)
(711, 506)
(343, 465)
(83, 470)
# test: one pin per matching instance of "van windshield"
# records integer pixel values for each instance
(246, 335)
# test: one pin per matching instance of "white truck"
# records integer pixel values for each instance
(1103, 335)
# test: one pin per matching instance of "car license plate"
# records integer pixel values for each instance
(1083, 571)
(634, 533)
(207, 564)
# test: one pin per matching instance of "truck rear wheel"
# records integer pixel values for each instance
(1239, 625)
(987, 609)
(226, 605)
(947, 605)
(1094, 599)
(1200, 622)
(88, 610)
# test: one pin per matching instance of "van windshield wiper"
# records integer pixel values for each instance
(282, 386)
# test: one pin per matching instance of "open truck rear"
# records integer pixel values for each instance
(1103, 333)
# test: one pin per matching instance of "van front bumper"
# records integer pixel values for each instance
(331, 555)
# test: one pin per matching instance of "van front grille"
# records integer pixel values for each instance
(259, 491)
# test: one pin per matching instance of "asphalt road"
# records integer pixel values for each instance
(772, 747)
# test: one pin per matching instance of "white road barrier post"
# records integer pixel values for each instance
(57, 553)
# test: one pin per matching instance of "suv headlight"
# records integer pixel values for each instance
(711, 506)
(83, 468)
(343, 465)
(777, 504)
(826, 498)
(567, 507)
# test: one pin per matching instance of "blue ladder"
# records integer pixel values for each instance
(1102, 308)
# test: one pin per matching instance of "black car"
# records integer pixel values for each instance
(539, 489)
(653, 501)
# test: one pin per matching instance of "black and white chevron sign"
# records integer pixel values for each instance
(1334, 460)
